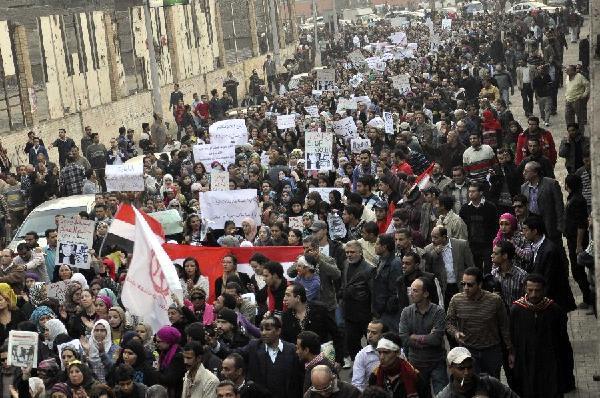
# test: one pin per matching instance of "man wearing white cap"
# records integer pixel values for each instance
(464, 382)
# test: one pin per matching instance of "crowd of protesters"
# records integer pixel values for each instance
(442, 245)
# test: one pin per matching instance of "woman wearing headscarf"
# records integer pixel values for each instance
(264, 237)
(134, 355)
(167, 184)
(79, 278)
(62, 273)
(144, 331)
(508, 231)
(116, 320)
(53, 328)
(60, 390)
(249, 229)
(100, 349)
(170, 360)
(102, 304)
(40, 316)
(10, 315)
(80, 379)
(106, 292)
(38, 294)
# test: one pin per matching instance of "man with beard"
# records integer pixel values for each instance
(367, 359)
(197, 382)
(544, 357)
(234, 369)
(229, 333)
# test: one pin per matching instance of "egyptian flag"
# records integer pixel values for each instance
(423, 179)
(121, 232)
(210, 258)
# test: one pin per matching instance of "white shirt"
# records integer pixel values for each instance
(535, 247)
(274, 351)
(448, 263)
(365, 362)
(324, 249)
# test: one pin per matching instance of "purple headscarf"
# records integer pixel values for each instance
(513, 226)
(171, 336)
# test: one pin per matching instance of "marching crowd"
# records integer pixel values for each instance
(441, 244)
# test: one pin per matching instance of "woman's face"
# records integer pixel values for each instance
(228, 265)
(102, 229)
(29, 282)
(195, 223)
(77, 296)
(101, 307)
(67, 356)
(310, 202)
(99, 333)
(64, 272)
(75, 375)
(174, 315)
(262, 234)
(87, 299)
(190, 268)
(45, 319)
(114, 319)
(95, 288)
(246, 227)
(129, 357)
(187, 180)
(141, 331)
(505, 226)
(293, 239)
(331, 198)
(322, 183)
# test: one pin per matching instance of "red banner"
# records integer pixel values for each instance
(210, 258)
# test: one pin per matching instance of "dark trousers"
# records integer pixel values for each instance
(101, 176)
(354, 334)
(527, 96)
(577, 109)
(578, 271)
(482, 256)
(487, 360)
(451, 290)
(272, 82)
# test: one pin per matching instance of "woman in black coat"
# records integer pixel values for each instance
(505, 181)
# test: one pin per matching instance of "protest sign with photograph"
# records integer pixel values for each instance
(209, 153)
(219, 180)
(358, 144)
(220, 206)
(335, 223)
(324, 192)
(319, 147)
(286, 122)
(230, 131)
(345, 128)
(388, 121)
(22, 349)
(295, 223)
(57, 290)
(75, 238)
(326, 79)
(447, 24)
(124, 177)
(313, 110)
(170, 220)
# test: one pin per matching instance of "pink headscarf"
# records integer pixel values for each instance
(171, 336)
(513, 226)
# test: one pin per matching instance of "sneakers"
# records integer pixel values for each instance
(347, 363)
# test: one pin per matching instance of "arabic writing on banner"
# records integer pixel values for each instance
(209, 153)
(356, 58)
(219, 180)
(75, 238)
(295, 223)
(57, 290)
(124, 177)
(358, 144)
(286, 122)
(319, 147)
(221, 206)
(230, 131)
(345, 128)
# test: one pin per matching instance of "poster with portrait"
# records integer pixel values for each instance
(75, 238)
(22, 349)
(319, 147)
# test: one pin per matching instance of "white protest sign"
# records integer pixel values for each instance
(345, 104)
(324, 192)
(376, 122)
(75, 238)
(372, 61)
(399, 22)
(22, 349)
(325, 79)
(209, 153)
(387, 57)
(388, 121)
(403, 53)
(401, 83)
(345, 128)
(356, 80)
(57, 290)
(313, 110)
(447, 24)
(362, 99)
(219, 180)
(228, 132)
(170, 220)
(337, 229)
(319, 148)
(286, 122)
(412, 46)
(399, 38)
(124, 177)
(295, 223)
(220, 206)
(358, 144)
(356, 57)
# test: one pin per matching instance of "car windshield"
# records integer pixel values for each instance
(40, 221)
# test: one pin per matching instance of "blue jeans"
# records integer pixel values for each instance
(437, 374)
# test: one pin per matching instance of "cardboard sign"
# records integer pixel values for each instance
(401, 83)
(326, 79)
(376, 122)
(358, 144)
(220, 206)
(22, 349)
(295, 223)
(231, 131)
(319, 147)
(286, 122)
(125, 177)
(219, 180)
(209, 153)
(75, 238)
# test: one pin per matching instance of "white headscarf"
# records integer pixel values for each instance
(94, 351)
(79, 278)
(55, 327)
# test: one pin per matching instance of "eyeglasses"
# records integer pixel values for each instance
(469, 284)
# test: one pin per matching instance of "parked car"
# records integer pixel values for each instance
(528, 6)
(42, 217)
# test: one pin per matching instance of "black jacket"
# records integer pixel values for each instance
(356, 291)
(385, 290)
(551, 262)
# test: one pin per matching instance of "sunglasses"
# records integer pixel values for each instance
(469, 284)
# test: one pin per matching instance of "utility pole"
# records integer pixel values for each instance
(156, 97)
(335, 17)
(316, 39)
(274, 32)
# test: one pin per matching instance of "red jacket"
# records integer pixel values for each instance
(546, 140)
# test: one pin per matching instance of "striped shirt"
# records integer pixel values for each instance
(477, 162)
(483, 320)
(511, 283)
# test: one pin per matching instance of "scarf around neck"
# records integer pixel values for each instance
(528, 305)
(406, 372)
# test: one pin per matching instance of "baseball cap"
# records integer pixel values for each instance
(380, 204)
(457, 355)
(318, 225)
(404, 126)
(228, 315)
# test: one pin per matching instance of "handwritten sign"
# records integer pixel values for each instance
(401, 83)
(295, 223)
(125, 177)
(219, 180)
(57, 290)
(356, 58)
(358, 144)
(319, 147)
(313, 110)
(326, 79)
(286, 122)
(345, 104)
(220, 206)
(325, 191)
(231, 131)
(337, 229)
(208, 153)
(388, 121)
(345, 128)
(22, 349)
(75, 238)
(447, 24)
(399, 38)
(170, 220)
(376, 122)
(356, 80)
